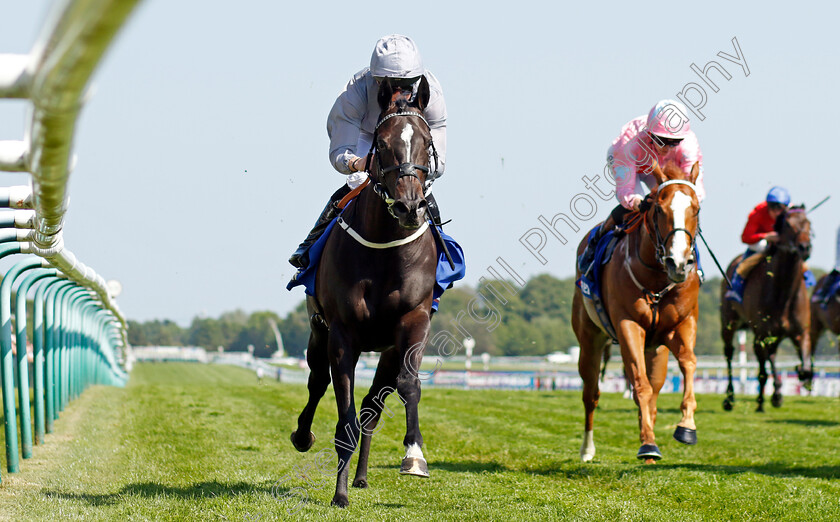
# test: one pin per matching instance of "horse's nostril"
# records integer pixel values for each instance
(400, 207)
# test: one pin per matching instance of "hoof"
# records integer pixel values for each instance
(340, 501)
(776, 400)
(685, 435)
(727, 404)
(586, 457)
(760, 408)
(414, 466)
(649, 451)
(360, 483)
(304, 447)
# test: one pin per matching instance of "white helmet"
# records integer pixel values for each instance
(396, 56)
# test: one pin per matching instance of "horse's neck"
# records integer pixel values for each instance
(643, 250)
(785, 270)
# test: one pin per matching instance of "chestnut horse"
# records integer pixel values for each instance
(373, 291)
(824, 317)
(649, 289)
(775, 306)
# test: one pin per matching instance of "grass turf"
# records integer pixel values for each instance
(204, 442)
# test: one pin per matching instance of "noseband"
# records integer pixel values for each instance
(405, 169)
(659, 243)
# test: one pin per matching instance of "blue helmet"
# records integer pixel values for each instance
(778, 195)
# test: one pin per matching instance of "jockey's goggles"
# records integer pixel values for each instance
(666, 142)
(398, 82)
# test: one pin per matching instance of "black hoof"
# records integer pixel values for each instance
(727, 405)
(685, 435)
(302, 447)
(649, 451)
(760, 408)
(340, 501)
(776, 400)
(414, 466)
(360, 483)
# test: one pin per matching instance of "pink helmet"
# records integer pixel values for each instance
(669, 119)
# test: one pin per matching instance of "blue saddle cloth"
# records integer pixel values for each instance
(444, 274)
(590, 282)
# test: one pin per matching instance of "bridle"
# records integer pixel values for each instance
(659, 241)
(405, 169)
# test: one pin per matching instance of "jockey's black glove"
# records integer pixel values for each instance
(646, 203)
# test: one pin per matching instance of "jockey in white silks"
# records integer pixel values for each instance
(352, 121)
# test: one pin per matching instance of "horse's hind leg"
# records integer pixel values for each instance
(319, 380)
(588, 367)
(384, 383)
(727, 333)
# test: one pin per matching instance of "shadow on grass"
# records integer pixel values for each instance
(772, 470)
(807, 422)
(152, 490)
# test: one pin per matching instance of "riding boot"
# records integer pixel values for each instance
(433, 210)
(736, 289)
(300, 259)
(588, 256)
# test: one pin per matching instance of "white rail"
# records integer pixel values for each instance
(53, 77)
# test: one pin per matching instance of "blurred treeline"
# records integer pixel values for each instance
(504, 319)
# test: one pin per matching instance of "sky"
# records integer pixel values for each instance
(202, 154)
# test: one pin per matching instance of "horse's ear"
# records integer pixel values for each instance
(695, 171)
(386, 92)
(423, 94)
(657, 173)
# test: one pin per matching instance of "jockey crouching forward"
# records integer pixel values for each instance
(663, 136)
(352, 121)
(759, 234)
(832, 280)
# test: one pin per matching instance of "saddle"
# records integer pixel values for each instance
(590, 281)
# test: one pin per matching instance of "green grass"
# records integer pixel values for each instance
(204, 442)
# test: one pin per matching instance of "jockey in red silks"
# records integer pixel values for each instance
(353, 118)
(663, 136)
(759, 233)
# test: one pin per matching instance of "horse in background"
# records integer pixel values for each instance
(824, 317)
(775, 306)
(374, 292)
(650, 289)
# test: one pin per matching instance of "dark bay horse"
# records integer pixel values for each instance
(374, 291)
(824, 318)
(650, 288)
(775, 306)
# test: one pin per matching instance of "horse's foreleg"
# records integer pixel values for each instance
(656, 362)
(683, 348)
(411, 341)
(761, 356)
(384, 383)
(729, 351)
(776, 398)
(631, 337)
(319, 380)
(343, 365)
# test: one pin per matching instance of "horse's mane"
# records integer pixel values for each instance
(673, 171)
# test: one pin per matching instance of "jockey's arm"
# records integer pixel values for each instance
(344, 127)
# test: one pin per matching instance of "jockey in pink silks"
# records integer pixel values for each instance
(664, 135)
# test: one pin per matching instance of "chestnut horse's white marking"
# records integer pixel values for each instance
(679, 206)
